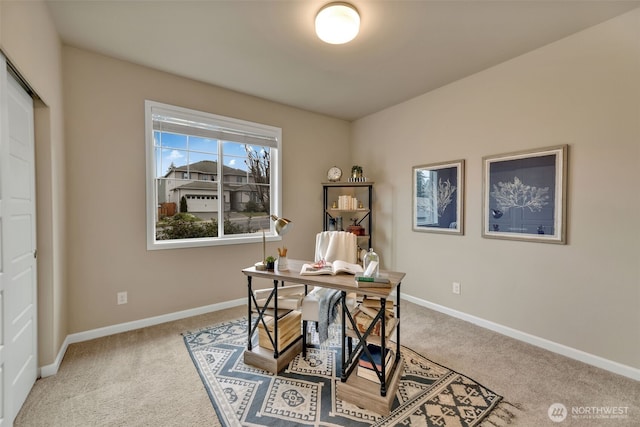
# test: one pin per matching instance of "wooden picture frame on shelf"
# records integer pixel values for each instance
(438, 197)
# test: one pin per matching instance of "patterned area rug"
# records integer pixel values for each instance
(304, 393)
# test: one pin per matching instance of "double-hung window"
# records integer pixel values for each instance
(211, 180)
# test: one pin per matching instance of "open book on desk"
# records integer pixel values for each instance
(331, 268)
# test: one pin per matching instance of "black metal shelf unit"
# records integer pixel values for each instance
(361, 214)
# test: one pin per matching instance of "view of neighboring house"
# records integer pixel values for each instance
(198, 184)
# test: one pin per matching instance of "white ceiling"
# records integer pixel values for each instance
(267, 48)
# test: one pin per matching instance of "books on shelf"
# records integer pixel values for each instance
(373, 302)
(367, 372)
(364, 315)
(376, 354)
(371, 375)
(348, 203)
(331, 268)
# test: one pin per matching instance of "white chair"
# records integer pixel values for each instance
(330, 246)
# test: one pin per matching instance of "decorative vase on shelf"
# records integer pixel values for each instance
(356, 172)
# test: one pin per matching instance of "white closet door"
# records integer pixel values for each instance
(18, 281)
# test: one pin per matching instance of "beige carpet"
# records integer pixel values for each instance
(146, 377)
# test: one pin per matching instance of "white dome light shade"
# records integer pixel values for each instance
(337, 23)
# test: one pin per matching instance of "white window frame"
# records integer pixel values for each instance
(242, 126)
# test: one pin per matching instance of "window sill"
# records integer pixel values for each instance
(197, 243)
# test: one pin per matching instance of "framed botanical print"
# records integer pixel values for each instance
(524, 195)
(438, 197)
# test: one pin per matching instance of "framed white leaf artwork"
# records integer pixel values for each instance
(524, 195)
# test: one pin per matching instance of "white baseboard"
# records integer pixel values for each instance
(562, 349)
(52, 369)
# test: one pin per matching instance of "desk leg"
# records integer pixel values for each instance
(398, 325)
(276, 352)
(261, 313)
(249, 313)
(383, 341)
(343, 335)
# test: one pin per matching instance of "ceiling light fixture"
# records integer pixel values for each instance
(337, 23)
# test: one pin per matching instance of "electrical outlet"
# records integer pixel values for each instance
(455, 288)
(122, 298)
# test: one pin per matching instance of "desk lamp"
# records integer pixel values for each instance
(283, 226)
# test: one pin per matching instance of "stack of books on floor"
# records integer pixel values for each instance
(365, 365)
(289, 330)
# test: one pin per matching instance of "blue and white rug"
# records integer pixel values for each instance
(304, 393)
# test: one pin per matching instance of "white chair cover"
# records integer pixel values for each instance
(337, 245)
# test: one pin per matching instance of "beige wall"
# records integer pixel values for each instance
(104, 106)
(583, 91)
(30, 42)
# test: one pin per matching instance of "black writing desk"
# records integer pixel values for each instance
(342, 282)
